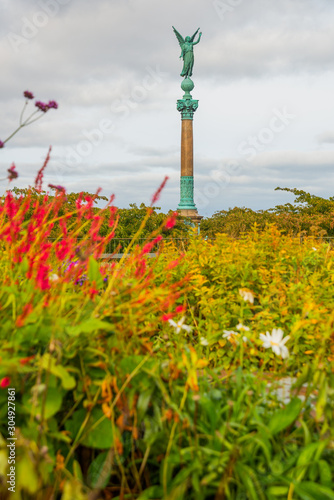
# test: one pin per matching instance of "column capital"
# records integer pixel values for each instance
(187, 107)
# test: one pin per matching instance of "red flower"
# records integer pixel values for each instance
(39, 177)
(42, 277)
(141, 268)
(27, 309)
(156, 196)
(171, 221)
(24, 361)
(5, 382)
(148, 246)
(173, 264)
(64, 248)
(167, 317)
(92, 292)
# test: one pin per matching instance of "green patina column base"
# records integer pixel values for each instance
(187, 193)
(188, 206)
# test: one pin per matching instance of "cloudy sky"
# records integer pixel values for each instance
(263, 75)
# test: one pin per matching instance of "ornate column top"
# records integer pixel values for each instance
(187, 106)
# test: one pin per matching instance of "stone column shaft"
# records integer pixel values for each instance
(187, 149)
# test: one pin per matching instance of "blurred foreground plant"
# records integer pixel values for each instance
(42, 108)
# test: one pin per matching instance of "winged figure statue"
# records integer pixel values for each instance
(187, 52)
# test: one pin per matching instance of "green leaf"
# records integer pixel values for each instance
(93, 436)
(248, 477)
(77, 472)
(209, 478)
(310, 453)
(278, 491)
(91, 325)
(49, 364)
(307, 434)
(94, 273)
(283, 418)
(73, 489)
(325, 473)
(59, 436)
(24, 265)
(143, 402)
(153, 492)
(313, 491)
(52, 404)
(3, 462)
(11, 298)
(26, 475)
(100, 469)
(321, 401)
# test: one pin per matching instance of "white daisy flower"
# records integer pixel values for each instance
(229, 334)
(276, 342)
(247, 295)
(203, 341)
(179, 325)
(240, 326)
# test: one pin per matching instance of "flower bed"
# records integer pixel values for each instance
(202, 373)
(153, 383)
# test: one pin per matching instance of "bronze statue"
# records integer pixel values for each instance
(187, 51)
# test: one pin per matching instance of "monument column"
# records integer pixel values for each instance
(187, 107)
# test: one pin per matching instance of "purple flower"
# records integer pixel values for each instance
(42, 106)
(72, 264)
(57, 188)
(2, 144)
(28, 95)
(52, 104)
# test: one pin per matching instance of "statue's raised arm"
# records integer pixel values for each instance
(193, 37)
(187, 52)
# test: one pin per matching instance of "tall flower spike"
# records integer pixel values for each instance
(156, 195)
(39, 177)
(171, 221)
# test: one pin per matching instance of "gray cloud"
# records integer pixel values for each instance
(118, 61)
(326, 137)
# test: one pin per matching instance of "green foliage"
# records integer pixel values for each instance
(309, 215)
(129, 219)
